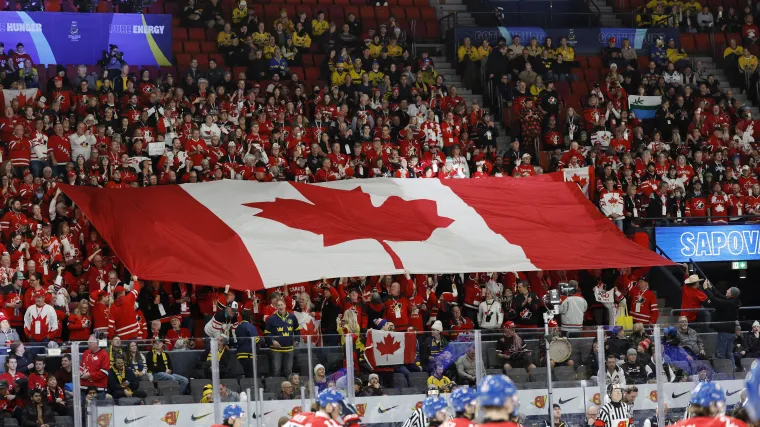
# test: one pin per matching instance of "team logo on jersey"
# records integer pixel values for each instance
(653, 396)
(596, 400)
(539, 402)
(700, 204)
(295, 411)
(171, 418)
(104, 420)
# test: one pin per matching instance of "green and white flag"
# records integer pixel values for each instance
(644, 106)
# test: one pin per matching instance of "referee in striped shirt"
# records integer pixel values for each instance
(615, 413)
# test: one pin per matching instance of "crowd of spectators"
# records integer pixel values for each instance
(694, 161)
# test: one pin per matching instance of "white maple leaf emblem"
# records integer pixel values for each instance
(719, 208)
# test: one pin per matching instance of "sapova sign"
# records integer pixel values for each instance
(710, 243)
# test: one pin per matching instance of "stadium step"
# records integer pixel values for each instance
(447, 70)
(607, 17)
(711, 68)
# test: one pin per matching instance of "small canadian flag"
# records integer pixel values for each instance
(581, 176)
(390, 348)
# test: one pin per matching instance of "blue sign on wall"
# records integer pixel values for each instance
(710, 243)
(81, 38)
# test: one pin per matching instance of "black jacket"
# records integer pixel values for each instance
(497, 64)
(752, 346)
(727, 310)
(114, 386)
(29, 415)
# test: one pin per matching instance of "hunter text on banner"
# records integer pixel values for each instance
(80, 38)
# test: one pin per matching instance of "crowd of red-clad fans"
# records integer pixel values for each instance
(382, 114)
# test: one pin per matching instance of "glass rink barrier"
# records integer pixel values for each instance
(384, 374)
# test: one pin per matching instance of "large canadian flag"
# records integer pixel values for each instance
(261, 235)
(390, 348)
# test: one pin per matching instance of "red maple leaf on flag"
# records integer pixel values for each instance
(340, 216)
(578, 180)
(388, 346)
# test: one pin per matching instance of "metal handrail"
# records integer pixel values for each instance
(709, 310)
(547, 16)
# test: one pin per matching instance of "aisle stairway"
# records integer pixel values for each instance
(444, 68)
(712, 68)
(607, 17)
(445, 7)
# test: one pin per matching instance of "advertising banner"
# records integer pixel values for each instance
(81, 38)
(396, 409)
(585, 41)
(707, 243)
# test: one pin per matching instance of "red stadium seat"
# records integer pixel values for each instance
(579, 88)
(192, 46)
(594, 62)
(171, 8)
(687, 43)
(202, 60)
(179, 33)
(52, 5)
(211, 34)
(719, 38)
(702, 43)
(312, 73)
(382, 13)
(582, 61)
(271, 12)
(643, 61)
(177, 46)
(183, 60)
(336, 15)
(412, 13)
(351, 9)
(405, 3)
(398, 12)
(591, 75)
(197, 34)
(428, 13)
(207, 46)
(219, 58)
(367, 12)
(320, 2)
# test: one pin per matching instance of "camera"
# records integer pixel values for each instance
(552, 299)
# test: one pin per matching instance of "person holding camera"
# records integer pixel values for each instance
(572, 309)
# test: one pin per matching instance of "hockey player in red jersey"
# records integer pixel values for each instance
(497, 397)
(707, 407)
(330, 404)
(464, 400)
